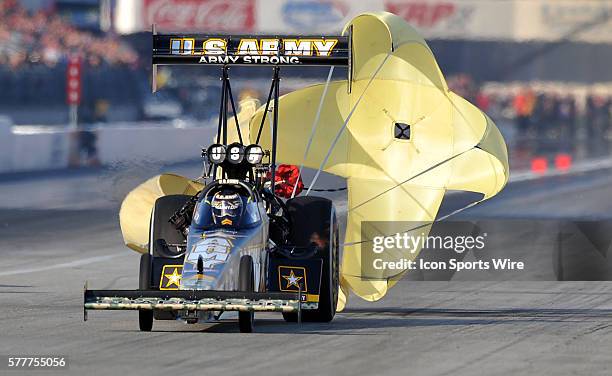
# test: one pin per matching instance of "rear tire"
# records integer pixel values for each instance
(162, 229)
(162, 233)
(316, 215)
(246, 283)
(145, 317)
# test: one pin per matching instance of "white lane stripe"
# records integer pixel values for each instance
(71, 264)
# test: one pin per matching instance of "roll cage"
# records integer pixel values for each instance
(248, 50)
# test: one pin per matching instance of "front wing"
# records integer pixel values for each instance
(193, 300)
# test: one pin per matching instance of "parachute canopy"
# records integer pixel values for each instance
(395, 132)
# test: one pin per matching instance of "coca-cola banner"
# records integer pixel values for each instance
(201, 15)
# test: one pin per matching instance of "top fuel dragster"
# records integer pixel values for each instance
(235, 245)
(244, 239)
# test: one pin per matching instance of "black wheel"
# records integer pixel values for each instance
(313, 219)
(145, 320)
(290, 316)
(246, 282)
(162, 233)
(145, 317)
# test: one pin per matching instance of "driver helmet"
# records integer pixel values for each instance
(226, 208)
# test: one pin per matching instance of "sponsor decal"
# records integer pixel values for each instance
(255, 47)
(428, 15)
(249, 60)
(171, 277)
(313, 14)
(290, 278)
(214, 251)
(213, 15)
(253, 50)
(560, 18)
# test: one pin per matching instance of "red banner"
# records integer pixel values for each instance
(73, 81)
(201, 15)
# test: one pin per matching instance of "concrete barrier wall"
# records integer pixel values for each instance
(153, 143)
(6, 139)
(39, 151)
(31, 148)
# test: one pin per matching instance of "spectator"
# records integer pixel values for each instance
(45, 38)
(523, 107)
(598, 115)
(483, 101)
(567, 117)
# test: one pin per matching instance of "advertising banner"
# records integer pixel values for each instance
(433, 18)
(455, 19)
(190, 15)
(547, 20)
(310, 16)
(551, 20)
(511, 20)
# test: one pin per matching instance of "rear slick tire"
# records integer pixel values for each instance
(310, 216)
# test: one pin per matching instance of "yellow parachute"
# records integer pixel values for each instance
(393, 78)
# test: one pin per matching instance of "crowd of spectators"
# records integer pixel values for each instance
(542, 112)
(44, 37)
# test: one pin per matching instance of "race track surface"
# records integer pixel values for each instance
(59, 229)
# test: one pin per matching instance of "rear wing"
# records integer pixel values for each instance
(250, 49)
(274, 50)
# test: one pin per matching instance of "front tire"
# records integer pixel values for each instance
(246, 283)
(145, 316)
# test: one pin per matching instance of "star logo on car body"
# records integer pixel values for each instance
(292, 280)
(173, 279)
